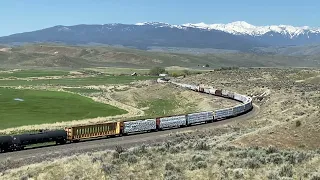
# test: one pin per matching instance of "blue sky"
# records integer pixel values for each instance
(28, 15)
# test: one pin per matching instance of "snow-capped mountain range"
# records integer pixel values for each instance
(243, 28)
(237, 35)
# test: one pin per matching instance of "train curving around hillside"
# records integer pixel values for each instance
(119, 128)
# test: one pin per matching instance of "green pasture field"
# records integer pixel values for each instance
(97, 80)
(40, 107)
(32, 73)
(128, 71)
(118, 71)
(82, 90)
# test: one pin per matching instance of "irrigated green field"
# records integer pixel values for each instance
(32, 73)
(97, 80)
(38, 107)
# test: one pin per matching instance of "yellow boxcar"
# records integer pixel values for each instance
(92, 131)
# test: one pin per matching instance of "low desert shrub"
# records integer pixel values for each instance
(298, 123)
(275, 158)
(201, 164)
(252, 163)
(238, 174)
(132, 159)
(201, 145)
(272, 175)
(271, 149)
(286, 170)
(197, 158)
(107, 168)
(315, 176)
(120, 149)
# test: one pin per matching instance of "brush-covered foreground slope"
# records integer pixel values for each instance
(57, 56)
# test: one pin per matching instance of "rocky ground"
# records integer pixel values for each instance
(281, 142)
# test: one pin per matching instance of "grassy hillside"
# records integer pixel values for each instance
(58, 56)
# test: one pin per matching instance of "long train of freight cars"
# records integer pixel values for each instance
(77, 133)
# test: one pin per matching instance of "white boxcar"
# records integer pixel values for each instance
(238, 109)
(221, 113)
(206, 90)
(244, 98)
(194, 87)
(247, 106)
(174, 121)
(186, 86)
(225, 92)
(230, 112)
(249, 99)
(239, 97)
(139, 125)
(212, 91)
(231, 95)
(200, 117)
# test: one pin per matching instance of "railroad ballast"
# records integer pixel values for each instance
(78, 133)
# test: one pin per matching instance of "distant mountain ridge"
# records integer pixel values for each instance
(139, 36)
(238, 35)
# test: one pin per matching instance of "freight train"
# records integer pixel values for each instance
(119, 128)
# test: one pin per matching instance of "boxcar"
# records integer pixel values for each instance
(172, 121)
(224, 93)
(76, 133)
(218, 92)
(231, 95)
(139, 126)
(200, 117)
(206, 90)
(212, 91)
(238, 109)
(223, 113)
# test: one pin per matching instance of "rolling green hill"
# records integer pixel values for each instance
(74, 57)
(25, 107)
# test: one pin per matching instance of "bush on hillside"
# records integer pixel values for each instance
(157, 71)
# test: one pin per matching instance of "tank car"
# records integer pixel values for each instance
(6, 142)
(22, 140)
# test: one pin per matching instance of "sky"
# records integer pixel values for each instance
(29, 15)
